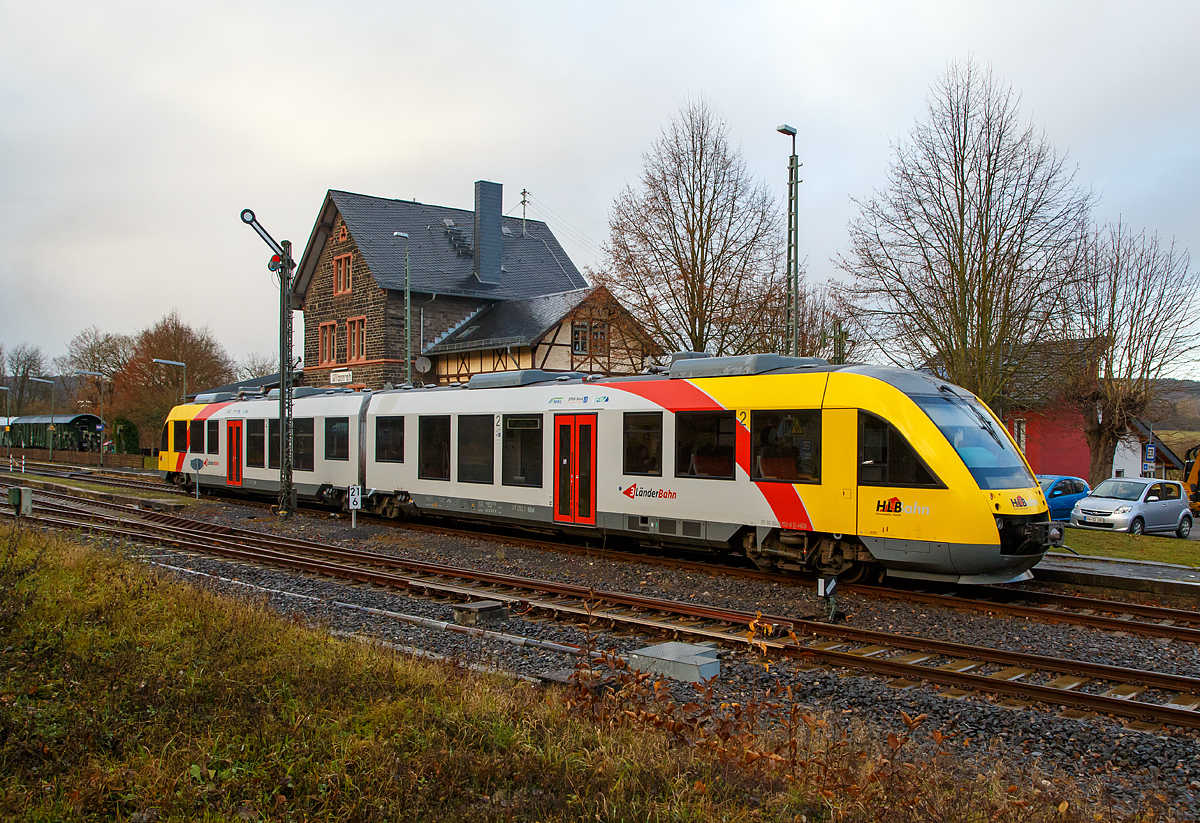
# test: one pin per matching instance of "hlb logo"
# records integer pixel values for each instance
(658, 494)
(1019, 502)
(896, 506)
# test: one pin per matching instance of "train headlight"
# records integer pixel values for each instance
(1123, 510)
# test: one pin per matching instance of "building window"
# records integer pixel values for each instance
(786, 445)
(302, 442)
(433, 447)
(704, 444)
(214, 436)
(356, 339)
(342, 234)
(341, 274)
(337, 438)
(476, 451)
(599, 342)
(579, 337)
(1019, 433)
(389, 439)
(327, 346)
(256, 445)
(643, 443)
(521, 464)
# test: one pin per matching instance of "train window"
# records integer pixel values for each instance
(273, 443)
(337, 438)
(433, 447)
(302, 442)
(476, 451)
(979, 439)
(521, 463)
(196, 443)
(643, 443)
(214, 436)
(786, 446)
(165, 445)
(704, 443)
(256, 445)
(885, 458)
(389, 439)
(180, 444)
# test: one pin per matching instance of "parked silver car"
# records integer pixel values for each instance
(1136, 505)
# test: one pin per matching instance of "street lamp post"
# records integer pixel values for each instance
(50, 429)
(792, 317)
(7, 419)
(183, 398)
(407, 313)
(100, 388)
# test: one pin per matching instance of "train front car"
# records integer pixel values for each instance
(173, 446)
(943, 491)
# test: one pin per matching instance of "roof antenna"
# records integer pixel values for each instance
(524, 202)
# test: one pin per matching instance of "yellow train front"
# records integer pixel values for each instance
(905, 471)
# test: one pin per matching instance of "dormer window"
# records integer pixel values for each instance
(341, 274)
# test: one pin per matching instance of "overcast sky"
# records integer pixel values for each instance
(132, 134)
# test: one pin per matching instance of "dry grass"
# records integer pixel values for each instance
(126, 697)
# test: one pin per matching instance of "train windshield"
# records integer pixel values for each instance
(987, 452)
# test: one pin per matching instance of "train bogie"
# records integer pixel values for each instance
(796, 464)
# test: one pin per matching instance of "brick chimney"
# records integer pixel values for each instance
(489, 237)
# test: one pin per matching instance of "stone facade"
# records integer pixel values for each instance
(383, 310)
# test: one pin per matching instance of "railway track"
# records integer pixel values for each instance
(1073, 684)
(90, 475)
(1107, 615)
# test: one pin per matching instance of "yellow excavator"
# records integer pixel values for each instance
(1191, 478)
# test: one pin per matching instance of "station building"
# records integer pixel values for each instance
(487, 293)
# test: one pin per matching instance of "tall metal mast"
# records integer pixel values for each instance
(282, 264)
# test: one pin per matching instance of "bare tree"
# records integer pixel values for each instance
(695, 250)
(257, 365)
(25, 361)
(961, 264)
(1138, 296)
(103, 352)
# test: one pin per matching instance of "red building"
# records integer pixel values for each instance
(1052, 439)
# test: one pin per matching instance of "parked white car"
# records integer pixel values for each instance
(1135, 504)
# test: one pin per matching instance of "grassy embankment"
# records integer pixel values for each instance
(127, 697)
(1164, 548)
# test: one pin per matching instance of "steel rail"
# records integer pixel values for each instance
(953, 602)
(1095, 621)
(1111, 705)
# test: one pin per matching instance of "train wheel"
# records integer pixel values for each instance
(860, 573)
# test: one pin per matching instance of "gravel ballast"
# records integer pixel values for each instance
(1128, 766)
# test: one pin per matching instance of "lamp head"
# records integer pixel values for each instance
(786, 129)
(247, 216)
(400, 234)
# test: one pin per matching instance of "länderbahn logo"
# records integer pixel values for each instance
(896, 506)
(658, 494)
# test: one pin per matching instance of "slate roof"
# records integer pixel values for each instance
(534, 265)
(520, 323)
